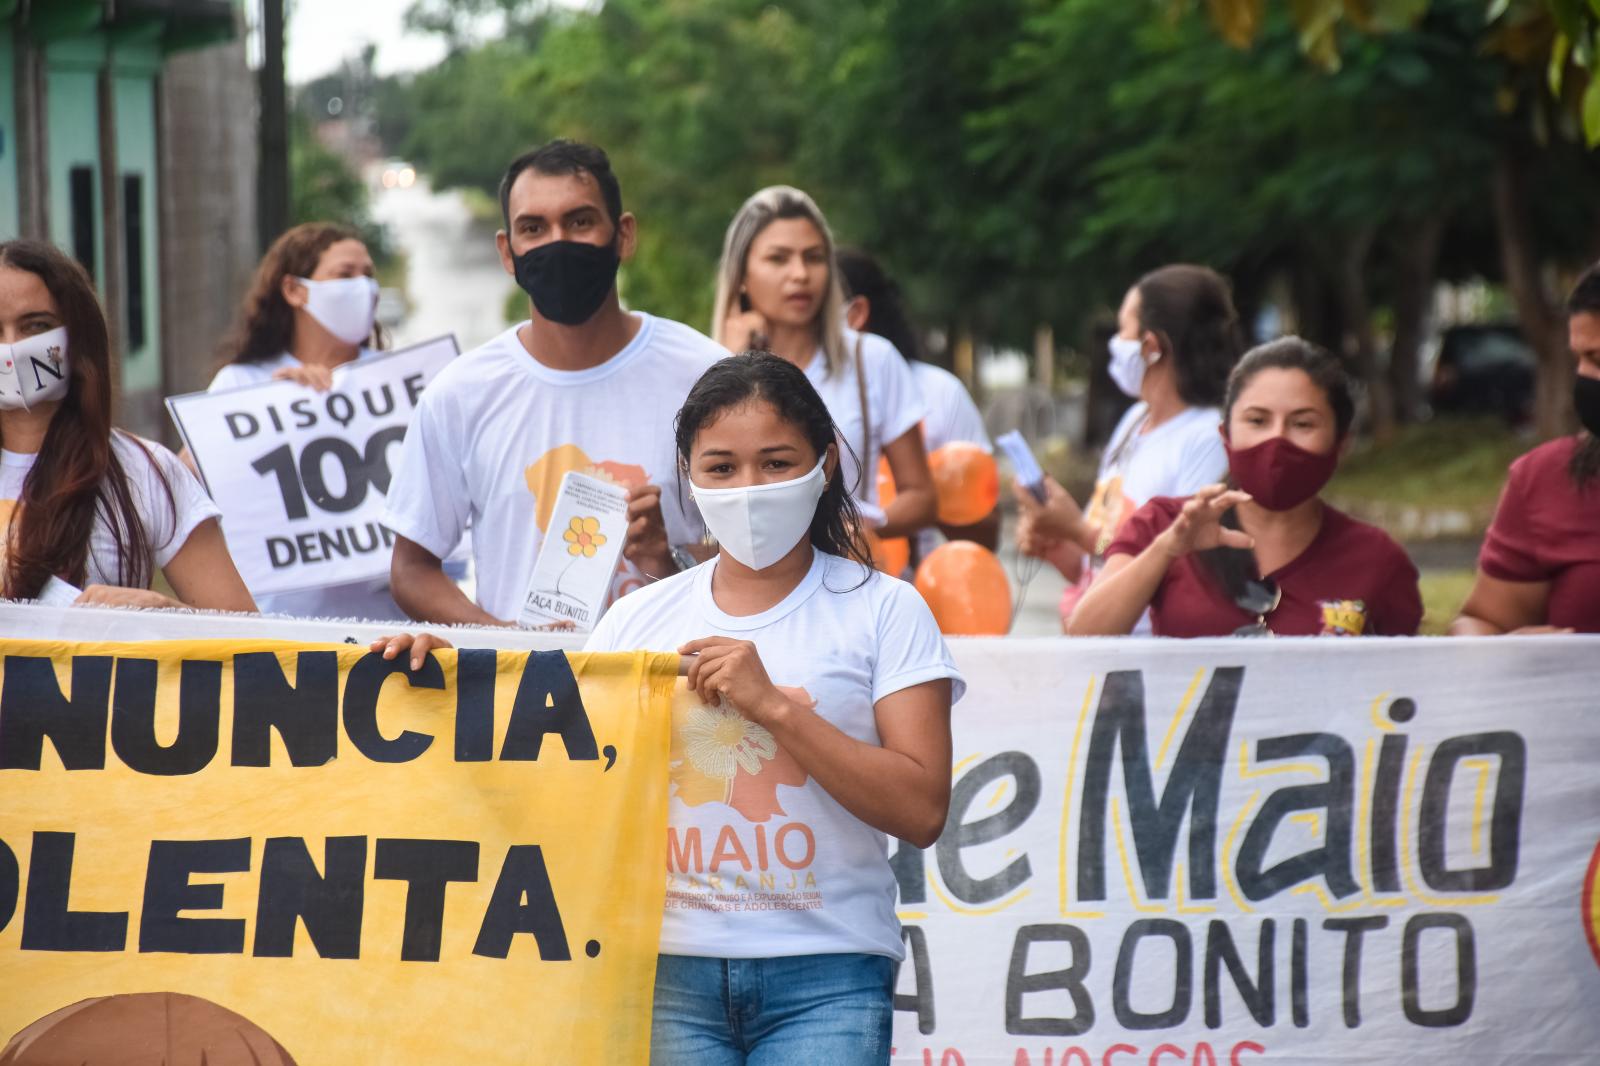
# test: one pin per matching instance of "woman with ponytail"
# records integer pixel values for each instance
(90, 511)
(1177, 338)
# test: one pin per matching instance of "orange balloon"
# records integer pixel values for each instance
(885, 483)
(966, 587)
(892, 556)
(967, 481)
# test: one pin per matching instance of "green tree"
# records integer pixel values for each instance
(324, 188)
(1547, 57)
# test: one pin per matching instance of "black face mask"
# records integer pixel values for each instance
(1586, 398)
(567, 280)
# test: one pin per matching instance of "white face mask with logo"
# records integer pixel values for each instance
(346, 307)
(760, 524)
(1127, 364)
(34, 370)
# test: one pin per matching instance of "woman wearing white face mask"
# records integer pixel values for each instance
(309, 311)
(826, 694)
(84, 506)
(824, 727)
(1177, 338)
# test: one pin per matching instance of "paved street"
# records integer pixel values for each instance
(455, 283)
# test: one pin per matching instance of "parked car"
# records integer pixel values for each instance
(1484, 369)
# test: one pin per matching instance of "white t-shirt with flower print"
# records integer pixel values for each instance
(761, 861)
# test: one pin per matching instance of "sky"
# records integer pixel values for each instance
(323, 33)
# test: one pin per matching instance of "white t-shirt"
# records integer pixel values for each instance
(761, 861)
(495, 432)
(233, 375)
(952, 416)
(892, 399)
(1179, 457)
(166, 525)
(361, 599)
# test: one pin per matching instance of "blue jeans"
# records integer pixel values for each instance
(802, 1010)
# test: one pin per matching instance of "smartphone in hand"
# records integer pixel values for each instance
(1023, 463)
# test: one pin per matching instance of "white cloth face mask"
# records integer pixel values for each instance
(346, 307)
(760, 524)
(1127, 364)
(34, 370)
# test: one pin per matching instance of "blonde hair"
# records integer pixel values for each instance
(758, 212)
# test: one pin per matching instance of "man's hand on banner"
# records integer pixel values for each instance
(419, 644)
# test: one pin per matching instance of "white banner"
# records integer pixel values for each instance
(1221, 853)
(1224, 853)
(301, 475)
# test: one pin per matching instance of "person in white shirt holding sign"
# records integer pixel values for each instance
(310, 310)
(777, 289)
(823, 727)
(89, 512)
(583, 385)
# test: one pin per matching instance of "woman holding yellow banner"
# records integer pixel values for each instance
(817, 722)
(821, 724)
(89, 511)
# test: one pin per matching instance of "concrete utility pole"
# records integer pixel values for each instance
(273, 191)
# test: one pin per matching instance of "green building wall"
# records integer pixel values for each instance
(136, 65)
(10, 195)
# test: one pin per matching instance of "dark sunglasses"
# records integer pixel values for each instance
(1259, 598)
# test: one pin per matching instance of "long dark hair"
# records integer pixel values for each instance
(767, 378)
(77, 474)
(264, 328)
(1231, 568)
(887, 315)
(1190, 310)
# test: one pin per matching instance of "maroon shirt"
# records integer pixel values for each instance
(1351, 580)
(1547, 530)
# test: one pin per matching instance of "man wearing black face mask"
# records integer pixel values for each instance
(583, 385)
(1539, 570)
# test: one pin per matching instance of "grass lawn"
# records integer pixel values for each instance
(1442, 465)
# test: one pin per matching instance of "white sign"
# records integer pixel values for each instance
(301, 475)
(572, 576)
(1232, 853)
(1302, 852)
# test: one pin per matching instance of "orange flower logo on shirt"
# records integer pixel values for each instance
(583, 536)
(720, 756)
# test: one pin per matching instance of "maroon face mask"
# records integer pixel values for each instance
(1278, 473)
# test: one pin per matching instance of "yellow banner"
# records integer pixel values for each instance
(305, 853)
